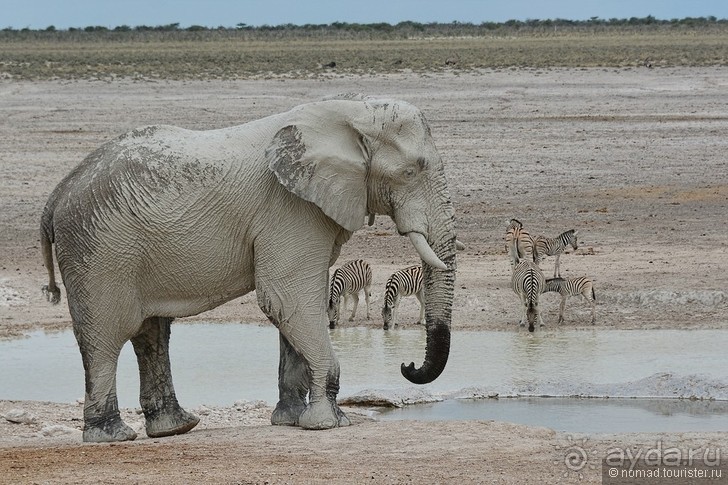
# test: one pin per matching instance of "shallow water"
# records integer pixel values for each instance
(577, 415)
(217, 364)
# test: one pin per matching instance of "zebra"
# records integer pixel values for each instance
(528, 283)
(544, 246)
(405, 282)
(567, 287)
(518, 241)
(348, 280)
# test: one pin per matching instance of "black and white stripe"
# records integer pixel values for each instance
(528, 283)
(544, 246)
(347, 281)
(519, 244)
(567, 287)
(405, 282)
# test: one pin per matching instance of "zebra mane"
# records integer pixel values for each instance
(515, 222)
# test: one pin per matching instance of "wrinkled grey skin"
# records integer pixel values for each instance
(165, 222)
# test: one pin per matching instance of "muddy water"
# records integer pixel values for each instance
(217, 364)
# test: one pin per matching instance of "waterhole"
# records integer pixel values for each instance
(661, 379)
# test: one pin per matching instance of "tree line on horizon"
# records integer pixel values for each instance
(404, 29)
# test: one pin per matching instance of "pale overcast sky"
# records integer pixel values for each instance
(39, 14)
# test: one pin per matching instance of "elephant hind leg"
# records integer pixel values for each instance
(164, 416)
(100, 356)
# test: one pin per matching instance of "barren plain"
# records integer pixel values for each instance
(633, 158)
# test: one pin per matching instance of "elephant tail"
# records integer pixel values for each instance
(51, 290)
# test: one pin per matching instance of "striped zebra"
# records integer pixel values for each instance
(405, 282)
(519, 242)
(528, 283)
(347, 281)
(567, 287)
(544, 246)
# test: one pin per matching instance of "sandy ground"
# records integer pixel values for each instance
(634, 159)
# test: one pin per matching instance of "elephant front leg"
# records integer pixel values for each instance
(164, 416)
(308, 364)
(322, 411)
(307, 360)
(293, 379)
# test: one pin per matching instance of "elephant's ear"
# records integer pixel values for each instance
(326, 163)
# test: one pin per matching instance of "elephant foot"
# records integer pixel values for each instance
(322, 415)
(109, 430)
(177, 421)
(286, 414)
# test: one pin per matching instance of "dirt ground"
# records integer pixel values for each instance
(634, 159)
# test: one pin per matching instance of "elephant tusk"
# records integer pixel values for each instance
(459, 245)
(425, 251)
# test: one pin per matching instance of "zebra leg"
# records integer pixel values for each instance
(421, 298)
(367, 295)
(293, 384)
(344, 304)
(540, 320)
(557, 269)
(561, 308)
(593, 304)
(355, 297)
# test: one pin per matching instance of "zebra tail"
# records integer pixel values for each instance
(594, 295)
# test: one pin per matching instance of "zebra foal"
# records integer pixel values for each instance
(405, 282)
(347, 281)
(519, 242)
(528, 283)
(544, 246)
(567, 287)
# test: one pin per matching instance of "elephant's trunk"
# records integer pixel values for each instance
(439, 287)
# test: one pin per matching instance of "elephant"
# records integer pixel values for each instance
(165, 222)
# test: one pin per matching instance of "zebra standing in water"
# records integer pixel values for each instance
(518, 241)
(405, 282)
(567, 287)
(528, 283)
(347, 281)
(544, 246)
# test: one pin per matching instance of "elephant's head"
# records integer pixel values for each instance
(356, 156)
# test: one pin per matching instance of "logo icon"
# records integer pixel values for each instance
(575, 456)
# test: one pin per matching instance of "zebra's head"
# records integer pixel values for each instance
(332, 310)
(386, 315)
(514, 223)
(571, 238)
(333, 313)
